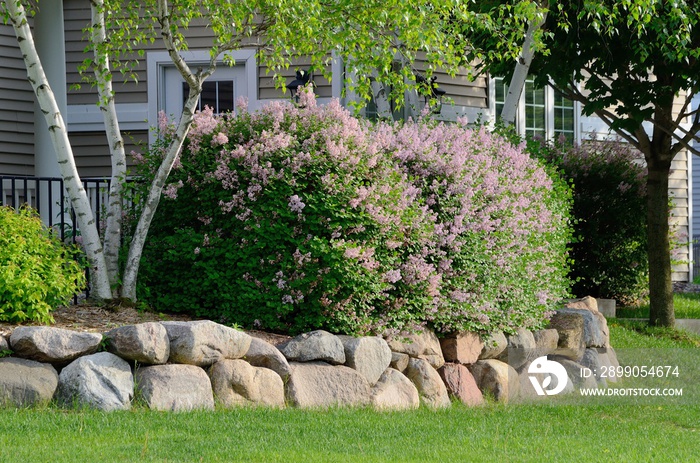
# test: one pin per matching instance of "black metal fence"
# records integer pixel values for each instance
(696, 256)
(47, 196)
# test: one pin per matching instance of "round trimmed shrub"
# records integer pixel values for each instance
(37, 272)
(289, 219)
(299, 218)
(502, 226)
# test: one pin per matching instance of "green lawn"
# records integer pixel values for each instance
(686, 305)
(546, 431)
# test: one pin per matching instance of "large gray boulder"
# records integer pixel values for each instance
(497, 379)
(521, 348)
(369, 355)
(174, 387)
(102, 381)
(577, 373)
(52, 345)
(430, 387)
(460, 384)
(317, 345)
(263, 354)
(424, 345)
(4, 345)
(236, 383)
(394, 391)
(24, 383)
(591, 360)
(595, 327)
(494, 344)
(463, 348)
(204, 342)
(144, 343)
(570, 328)
(319, 384)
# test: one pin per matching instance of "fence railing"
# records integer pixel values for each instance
(47, 196)
(696, 256)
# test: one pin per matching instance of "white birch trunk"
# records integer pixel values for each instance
(382, 101)
(113, 229)
(183, 127)
(522, 67)
(59, 137)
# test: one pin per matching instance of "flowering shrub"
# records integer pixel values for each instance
(297, 218)
(501, 230)
(610, 248)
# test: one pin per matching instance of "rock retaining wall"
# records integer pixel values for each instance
(194, 365)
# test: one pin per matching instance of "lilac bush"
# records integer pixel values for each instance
(302, 217)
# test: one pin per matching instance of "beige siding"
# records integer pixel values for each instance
(460, 90)
(92, 152)
(16, 109)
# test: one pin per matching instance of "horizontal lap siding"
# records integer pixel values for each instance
(460, 90)
(16, 109)
(91, 151)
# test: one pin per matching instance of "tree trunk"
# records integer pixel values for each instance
(522, 67)
(661, 311)
(59, 137)
(103, 75)
(381, 99)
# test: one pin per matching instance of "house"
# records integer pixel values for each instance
(25, 149)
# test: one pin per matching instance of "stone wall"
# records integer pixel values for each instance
(191, 365)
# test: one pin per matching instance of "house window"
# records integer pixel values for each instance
(217, 94)
(542, 111)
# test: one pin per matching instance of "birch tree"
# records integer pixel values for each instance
(367, 35)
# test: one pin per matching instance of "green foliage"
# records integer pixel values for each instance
(297, 218)
(37, 272)
(609, 251)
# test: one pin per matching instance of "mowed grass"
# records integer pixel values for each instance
(545, 431)
(686, 305)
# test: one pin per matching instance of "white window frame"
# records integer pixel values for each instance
(159, 61)
(549, 111)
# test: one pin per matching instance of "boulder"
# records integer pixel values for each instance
(102, 381)
(430, 387)
(204, 342)
(570, 328)
(494, 344)
(369, 355)
(25, 383)
(546, 341)
(587, 303)
(52, 345)
(174, 387)
(435, 360)
(4, 345)
(591, 360)
(463, 348)
(460, 384)
(520, 350)
(319, 384)
(263, 354)
(144, 343)
(576, 373)
(316, 345)
(608, 360)
(547, 381)
(399, 361)
(419, 344)
(236, 382)
(595, 327)
(497, 379)
(394, 391)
